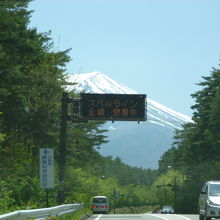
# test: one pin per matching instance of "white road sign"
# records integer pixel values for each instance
(46, 168)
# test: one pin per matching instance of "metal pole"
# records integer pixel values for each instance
(62, 149)
(47, 201)
(114, 201)
(165, 195)
(175, 188)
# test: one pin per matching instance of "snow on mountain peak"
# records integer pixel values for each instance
(96, 82)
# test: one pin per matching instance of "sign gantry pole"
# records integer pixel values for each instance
(63, 136)
(62, 149)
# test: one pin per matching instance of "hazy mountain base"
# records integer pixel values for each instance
(138, 145)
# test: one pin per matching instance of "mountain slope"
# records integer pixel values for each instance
(136, 144)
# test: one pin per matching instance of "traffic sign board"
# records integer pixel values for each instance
(114, 107)
(46, 168)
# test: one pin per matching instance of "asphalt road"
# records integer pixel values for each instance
(146, 216)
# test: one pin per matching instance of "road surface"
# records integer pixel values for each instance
(146, 216)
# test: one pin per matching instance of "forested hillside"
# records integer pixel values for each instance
(32, 80)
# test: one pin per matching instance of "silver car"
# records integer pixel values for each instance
(100, 204)
(209, 201)
(167, 209)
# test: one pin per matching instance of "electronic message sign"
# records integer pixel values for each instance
(114, 107)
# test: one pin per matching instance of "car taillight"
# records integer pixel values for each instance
(106, 207)
(94, 206)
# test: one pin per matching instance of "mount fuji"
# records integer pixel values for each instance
(139, 145)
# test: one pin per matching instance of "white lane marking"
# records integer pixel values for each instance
(99, 216)
(185, 217)
(158, 216)
(155, 215)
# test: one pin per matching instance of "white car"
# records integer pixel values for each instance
(209, 201)
(100, 204)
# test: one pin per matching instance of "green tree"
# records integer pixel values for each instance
(31, 86)
(31, 83)
(196, 148)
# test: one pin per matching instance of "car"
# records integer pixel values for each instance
(100, 204)
(209, 201)
(167, 210)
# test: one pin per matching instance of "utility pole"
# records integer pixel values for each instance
(62, 149)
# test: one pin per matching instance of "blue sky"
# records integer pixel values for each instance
(161, 48)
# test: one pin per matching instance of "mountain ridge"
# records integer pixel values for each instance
(96, 82)
(137, 145)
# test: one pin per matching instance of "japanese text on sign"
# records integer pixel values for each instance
(113, 106)
(46, 168)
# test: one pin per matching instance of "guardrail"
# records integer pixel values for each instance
(41, 214)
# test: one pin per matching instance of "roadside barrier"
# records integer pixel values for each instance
(41, 214)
